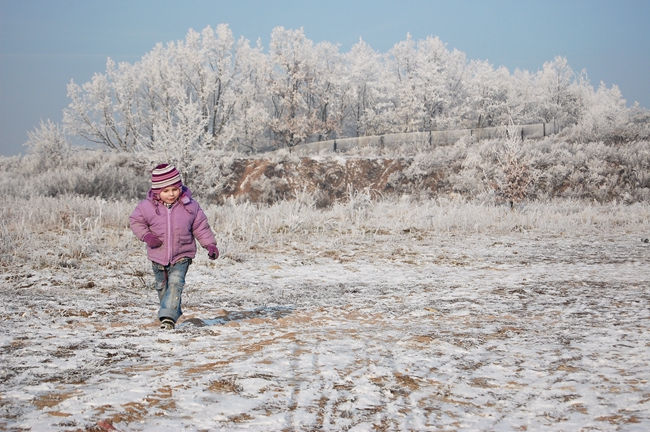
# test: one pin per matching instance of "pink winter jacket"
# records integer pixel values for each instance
(176, 227)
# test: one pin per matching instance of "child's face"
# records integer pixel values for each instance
(170, 194)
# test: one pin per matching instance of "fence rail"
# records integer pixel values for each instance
(432, 138)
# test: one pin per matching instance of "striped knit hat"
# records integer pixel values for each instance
(163, 176)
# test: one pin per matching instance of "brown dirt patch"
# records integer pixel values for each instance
(50, 400)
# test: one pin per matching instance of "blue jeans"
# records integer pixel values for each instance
(169, 282)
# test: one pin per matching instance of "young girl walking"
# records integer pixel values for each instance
(169, 221)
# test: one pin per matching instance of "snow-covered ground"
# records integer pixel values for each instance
(391, 329)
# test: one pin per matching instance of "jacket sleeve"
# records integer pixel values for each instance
(201, 229)
(138, 222)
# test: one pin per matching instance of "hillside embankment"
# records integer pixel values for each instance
(488, 171)
(502, 177)
(263, 180)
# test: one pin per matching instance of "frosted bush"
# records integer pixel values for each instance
(48, 146)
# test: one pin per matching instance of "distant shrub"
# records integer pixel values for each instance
(87, 173)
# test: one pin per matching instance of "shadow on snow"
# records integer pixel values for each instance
(271, 312)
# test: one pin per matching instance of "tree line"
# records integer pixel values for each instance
(212, 92)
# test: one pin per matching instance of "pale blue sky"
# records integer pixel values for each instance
(46, 43)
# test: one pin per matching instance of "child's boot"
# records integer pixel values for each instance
(167, 324)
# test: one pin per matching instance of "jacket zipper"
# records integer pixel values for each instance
(169, 235)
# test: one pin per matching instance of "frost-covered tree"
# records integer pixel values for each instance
(407, 108)
(444, 78)
(101, 110)
(247, 128)
(428, 86)
(363, 78)
(332, 87)
(207, 70)
(300, 86)
(556, 93)
(121, 109)
(521, 98)
(488, 90)
(604, 114)
(183, 132)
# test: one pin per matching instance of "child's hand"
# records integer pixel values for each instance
(213, 252)
(152, 241)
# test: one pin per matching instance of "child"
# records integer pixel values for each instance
(168, 221)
